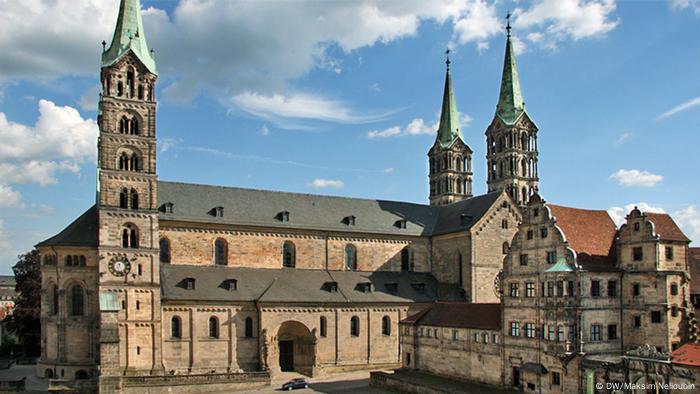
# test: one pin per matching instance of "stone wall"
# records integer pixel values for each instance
(262, 248)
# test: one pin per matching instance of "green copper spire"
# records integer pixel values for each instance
(129, 36)
(560, 266)
(510, 102)
(448, 131)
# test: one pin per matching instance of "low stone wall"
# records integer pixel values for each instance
(204, 383)
(420, 382)
(330, 369)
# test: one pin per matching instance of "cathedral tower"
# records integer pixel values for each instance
(126, 200)
(450, 158)
(511, 138)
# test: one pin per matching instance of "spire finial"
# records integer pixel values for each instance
(447, 59)
(508, 24)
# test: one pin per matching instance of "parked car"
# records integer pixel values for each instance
(298, 383)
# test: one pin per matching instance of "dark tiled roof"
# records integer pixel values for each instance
(459, 315)
(7, 281)
(694, 266)
(297, 285)
(193, 203)
(665, 227)
(688, 354)
(82, 232)
(463, 214)
(590, 233)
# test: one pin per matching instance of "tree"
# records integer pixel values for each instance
(24, 321)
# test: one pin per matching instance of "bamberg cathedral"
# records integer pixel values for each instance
(173, 287)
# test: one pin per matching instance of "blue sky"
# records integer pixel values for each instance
(341, 98)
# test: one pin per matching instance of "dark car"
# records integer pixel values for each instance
(299, 383)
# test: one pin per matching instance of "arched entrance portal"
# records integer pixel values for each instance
(296, 348)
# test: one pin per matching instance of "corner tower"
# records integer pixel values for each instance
(129, 274)
(511, 138)
(450, 158)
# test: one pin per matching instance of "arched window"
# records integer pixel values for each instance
(130, 237)
(134, 197)
(134, 162)
(176, 327)
(323, 327)
(220, 252)
(164, 246)
(505, 248)
(248, 327)
(52, 300)
(458, 164)
(134, 127)
(406, 257)
(82, 261)
(123, 198)
(288, 254)
(69, 261)
(459, 185)
(130, 82)
(123, 125)
(386, 325)
(120, 88)
(77, 301)
(524, 195)
(213, 327)
(140, 92)
(123, 161)
(350, 257)
(355, 326)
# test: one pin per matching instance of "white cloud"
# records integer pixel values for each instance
(264, 130)
(289, 111)
(680, 108)
(636, 178)
(623, 138)
(4, 243)
(167, 144)
(551, 21)
(417, 126)
(689, 220)
(323, 183)
(390, 132)
(678, 5)
(9, 197)
(477, 24)
(59, 141)
(618, 214)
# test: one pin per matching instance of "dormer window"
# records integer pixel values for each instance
(365, 287)
(400, 224)
(392, 287)
(230, 284)
(349, 220)
(283, 216)
(465, 219)
(217, 212)
(331, 287)
(167, 207)
(636, 226)
(419, 286)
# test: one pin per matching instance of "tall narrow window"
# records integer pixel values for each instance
(220, 253)
(248, 327)
(323, 327)
(213, 327)
(77, 300)
(123, 125)
(164, 245)
(355, 326)
(288, 254)
(505, 248)
(460, 266)
(405, 259)
(386, 326)
(134, 197)
(350, 257)
(130, 82)
(176, 327)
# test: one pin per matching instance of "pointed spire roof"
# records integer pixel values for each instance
(448, 131)
(510, 101)
(129, 36)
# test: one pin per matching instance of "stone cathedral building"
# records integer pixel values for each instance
(180, 287)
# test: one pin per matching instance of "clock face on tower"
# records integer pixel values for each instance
(119, 266)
